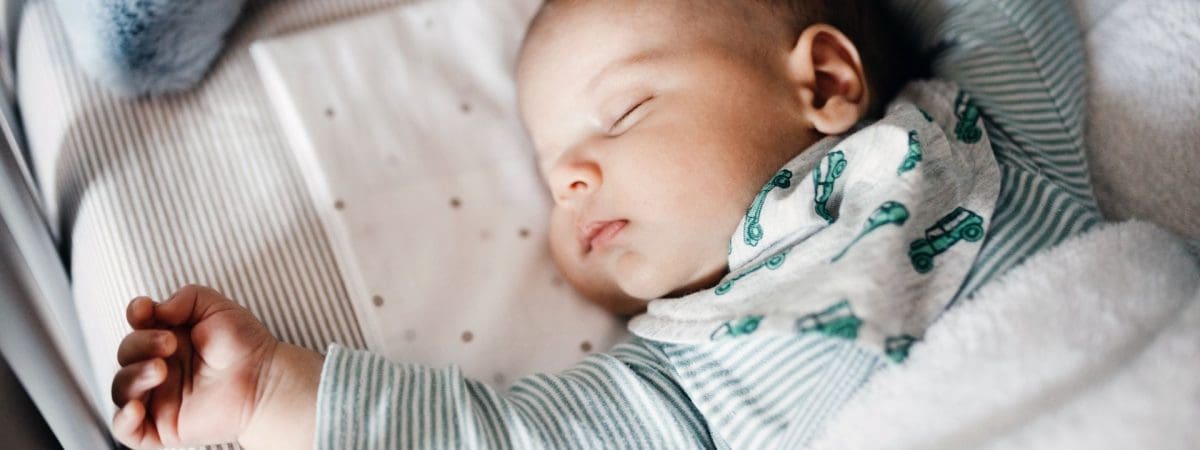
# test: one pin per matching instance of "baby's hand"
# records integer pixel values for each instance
(192, 370)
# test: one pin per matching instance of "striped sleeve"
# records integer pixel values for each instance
(627, 398)
(1022, 63)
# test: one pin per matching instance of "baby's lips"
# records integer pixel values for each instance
(600, 233)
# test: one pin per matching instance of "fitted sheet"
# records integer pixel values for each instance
(406, 129)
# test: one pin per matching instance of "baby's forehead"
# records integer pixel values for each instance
(568, 33)
(577, 39)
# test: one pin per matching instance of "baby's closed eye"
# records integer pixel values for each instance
(629, 117)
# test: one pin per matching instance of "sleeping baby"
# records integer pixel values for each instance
(756, 182)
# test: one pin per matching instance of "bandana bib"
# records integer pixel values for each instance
(865, 237)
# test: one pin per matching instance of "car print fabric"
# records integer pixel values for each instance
(866, 236)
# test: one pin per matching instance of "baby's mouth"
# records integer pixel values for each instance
(598, 234)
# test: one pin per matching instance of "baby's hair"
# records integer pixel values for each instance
(887, 54)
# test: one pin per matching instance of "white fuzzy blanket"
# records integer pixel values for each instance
(1094, 344)
(1144, 109)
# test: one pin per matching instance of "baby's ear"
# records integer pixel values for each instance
(829, 79)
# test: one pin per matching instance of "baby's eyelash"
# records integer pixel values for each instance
(617, 123)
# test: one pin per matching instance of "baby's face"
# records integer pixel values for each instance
(654, 129)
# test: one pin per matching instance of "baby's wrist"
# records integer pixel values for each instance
(285, 405)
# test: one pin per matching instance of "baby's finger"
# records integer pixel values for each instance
(145, 344)
(191, 304)
(130, 427)
(140, 313)
(135, 380)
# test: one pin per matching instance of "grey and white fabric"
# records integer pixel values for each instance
(146, 195)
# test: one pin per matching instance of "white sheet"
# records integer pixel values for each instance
(406, 128)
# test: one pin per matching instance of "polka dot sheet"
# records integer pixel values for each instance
(405, 125)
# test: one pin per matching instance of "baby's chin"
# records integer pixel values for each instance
(635, 282)
(638, 278)
(641, 279)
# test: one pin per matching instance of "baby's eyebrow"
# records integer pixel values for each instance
(638, 58)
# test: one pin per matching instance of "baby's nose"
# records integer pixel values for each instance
(574, 180)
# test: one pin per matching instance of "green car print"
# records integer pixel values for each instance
(913, 156)
(772, 263)
(823, 186)
(836, 321)
(740, 327)
(889, 212)
(754, 231)
(925, 114)
(967, 129)
(896, 347)
(960, 224)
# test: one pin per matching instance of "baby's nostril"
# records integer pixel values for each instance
(578, 185)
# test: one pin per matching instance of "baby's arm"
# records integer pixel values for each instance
(1022, 61)
(625, 399)
(217, 375)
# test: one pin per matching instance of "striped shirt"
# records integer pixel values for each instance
(1022, 62)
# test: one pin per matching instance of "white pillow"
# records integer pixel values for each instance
(405, 125)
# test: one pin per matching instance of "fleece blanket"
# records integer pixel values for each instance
(1143, 107)
(1093, 344)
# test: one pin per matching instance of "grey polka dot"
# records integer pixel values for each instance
(339, 205)
(524, 233)
(377, 300)
(485, 234)
(410, 335)
(556, 281)
(455, 202)
(328, 112)
(585, 346)
(498, 378)
(467, 336)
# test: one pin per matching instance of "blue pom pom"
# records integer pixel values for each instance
(147, 46)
